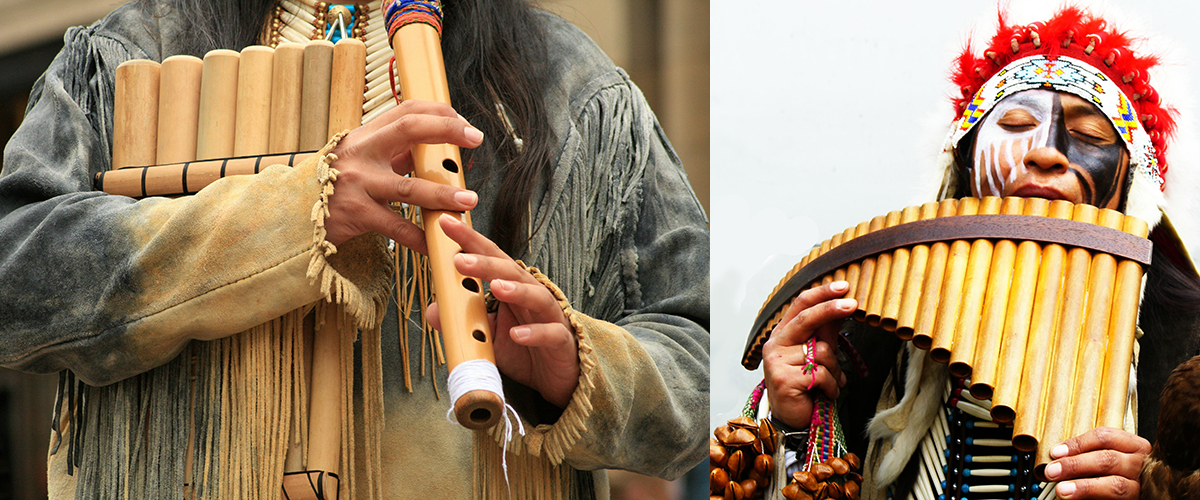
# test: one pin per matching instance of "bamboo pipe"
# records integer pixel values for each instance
(867, 276)
(1061, 392)
(252, 123)
(314, 107)
(287, 76)
(924, 318)
(135, 117)
(1041, 348)
(218, 105)
(897, 277)
(1017, 324)
(346, 86)
(883, 271)
(179, 114)
(995, 309)
(952, 285)
(1114, 391)
(467, 334)
(1093, 342)
(974, 286)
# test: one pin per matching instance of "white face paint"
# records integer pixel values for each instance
(1017, 125)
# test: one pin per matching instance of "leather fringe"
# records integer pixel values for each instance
(217, 421)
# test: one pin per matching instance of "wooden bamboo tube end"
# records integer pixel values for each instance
(218, 104)
(348, 78)
(314, 103)
(252, 121)
(135, 113)
(1024, 442)
(1003, 413)
(478, 409)
(981, 391)
(958, 368)
(179, 113)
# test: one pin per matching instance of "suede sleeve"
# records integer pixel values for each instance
(109, 287)
(636, 273)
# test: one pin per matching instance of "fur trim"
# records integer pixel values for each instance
(905, 424)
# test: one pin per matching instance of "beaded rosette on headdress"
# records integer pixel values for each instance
(1076, 53)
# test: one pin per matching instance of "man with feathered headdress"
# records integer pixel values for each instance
(1061, 109)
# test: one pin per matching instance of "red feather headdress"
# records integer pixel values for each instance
(1075, 33)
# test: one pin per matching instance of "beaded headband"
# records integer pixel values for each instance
(1076, 53)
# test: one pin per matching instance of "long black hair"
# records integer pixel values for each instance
(494, 53)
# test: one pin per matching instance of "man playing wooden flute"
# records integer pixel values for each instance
(603, 351)
(1063, 110)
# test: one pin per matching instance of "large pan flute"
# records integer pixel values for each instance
(1035, 301)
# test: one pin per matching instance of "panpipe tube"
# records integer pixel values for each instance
(466, 332)
(840, 273)
(923, 316)
(814, 253)
(967, 331)
(883, 271)
(952, 288)
(825, 247)
(986, 360)
(252, 123)
(1061, 393)
(834, 243)
(1017, 323)
(866, 276)
(325, 400)
(287, 75)
(314, 106)
(1114, 391)
(897, 277)
(179, 112)
(1093, 342)
(135, 115)
(218, 105)
(854, 270)
(1041, 348)
(346, 86)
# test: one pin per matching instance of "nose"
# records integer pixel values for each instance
(1048, 158)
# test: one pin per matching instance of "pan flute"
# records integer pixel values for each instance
(1035, 301)
(228, 114)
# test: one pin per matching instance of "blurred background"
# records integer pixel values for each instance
(662, 44)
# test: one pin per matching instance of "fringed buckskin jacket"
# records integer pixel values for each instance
(113, 290)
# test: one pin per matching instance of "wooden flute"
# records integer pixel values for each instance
(415, 32)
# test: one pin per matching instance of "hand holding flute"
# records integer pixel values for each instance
(372, 164)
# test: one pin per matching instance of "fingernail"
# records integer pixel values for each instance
(468, 259)
(473, 134)
(839, 286)
(1059, 451)
(466, 197)
(520, 332)
(502, 285)
(842, 380)
(1066, 489)
(846, 304)
(447, 217)
(1053, 470)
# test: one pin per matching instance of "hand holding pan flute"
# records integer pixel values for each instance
(815, 313)
(372, 163)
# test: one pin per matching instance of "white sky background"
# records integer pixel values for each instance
(826, 114)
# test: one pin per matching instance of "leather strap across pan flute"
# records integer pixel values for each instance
(970, 227)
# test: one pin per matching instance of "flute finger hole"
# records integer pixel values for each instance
(450, 165)
(479, 335)
(471, 284)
